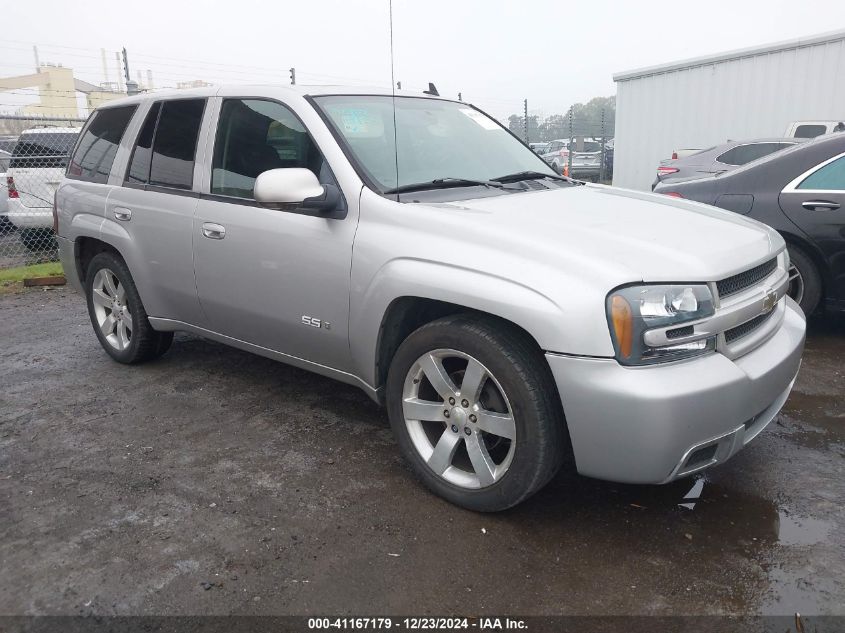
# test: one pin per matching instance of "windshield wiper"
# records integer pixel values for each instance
(444, 183)
(529, 175)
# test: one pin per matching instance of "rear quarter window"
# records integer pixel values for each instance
(94, 156)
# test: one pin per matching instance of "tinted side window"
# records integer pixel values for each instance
(742, 154)
(829, 177)
(175, 143)
(97, 148)
(254, 136)
(139, 166)
(809, 131)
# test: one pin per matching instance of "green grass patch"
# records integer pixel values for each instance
(10, 275)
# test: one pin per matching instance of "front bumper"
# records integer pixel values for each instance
(655, 424)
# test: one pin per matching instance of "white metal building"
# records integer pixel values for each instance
(744, 94)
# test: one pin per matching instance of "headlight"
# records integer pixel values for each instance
(634, 309)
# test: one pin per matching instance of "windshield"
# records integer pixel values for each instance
(436, 140)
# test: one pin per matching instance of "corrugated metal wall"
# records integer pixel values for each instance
(756, 95)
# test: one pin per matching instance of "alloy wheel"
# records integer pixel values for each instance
(459, 418)
(111, 310)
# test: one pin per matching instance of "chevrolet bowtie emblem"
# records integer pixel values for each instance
(770, 301)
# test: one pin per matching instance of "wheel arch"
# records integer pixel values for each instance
(85, 249)
(812, 251)
(406, 314)
(409, 293)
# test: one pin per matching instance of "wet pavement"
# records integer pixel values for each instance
(214, 481)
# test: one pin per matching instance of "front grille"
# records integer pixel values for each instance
(746, 279)
(747, 328)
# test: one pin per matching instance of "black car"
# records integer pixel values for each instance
(800, 192)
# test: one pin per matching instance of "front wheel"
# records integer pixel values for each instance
(117, 314)
(476, 413)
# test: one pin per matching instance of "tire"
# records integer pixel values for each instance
(557, 169)
(517, 397)
(38, 240)
(117, 314)
(805, 284)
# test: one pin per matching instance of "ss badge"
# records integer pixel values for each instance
(315, 322)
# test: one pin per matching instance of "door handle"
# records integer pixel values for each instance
(820, 204)
(213, 231)
(123, 214)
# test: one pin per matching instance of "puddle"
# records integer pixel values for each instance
(797, 591)
(793, 530)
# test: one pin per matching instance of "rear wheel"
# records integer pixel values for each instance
(117, 314)
(805, 285)
(475, 411)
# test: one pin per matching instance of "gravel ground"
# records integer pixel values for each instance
(214, 481)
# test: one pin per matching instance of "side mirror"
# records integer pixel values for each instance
(294, 188)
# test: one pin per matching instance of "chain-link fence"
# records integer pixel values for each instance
(34, 153)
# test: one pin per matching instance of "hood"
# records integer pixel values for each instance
(622, 235)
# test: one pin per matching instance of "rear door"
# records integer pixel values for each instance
(81, 198)
(815, 201)
(152, 213)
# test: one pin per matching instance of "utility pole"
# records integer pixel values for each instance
(293, 76)
(37, 61)
(131, 86)
(126, 66)
(525, 119)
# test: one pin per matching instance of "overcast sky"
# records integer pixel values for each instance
(495, 52)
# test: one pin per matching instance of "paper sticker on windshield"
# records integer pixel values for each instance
(360, 123)
(483, 121)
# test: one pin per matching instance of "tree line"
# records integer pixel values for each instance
(586, 121)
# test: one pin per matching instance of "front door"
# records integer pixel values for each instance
(276, 279)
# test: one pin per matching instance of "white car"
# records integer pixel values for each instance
(36, 168)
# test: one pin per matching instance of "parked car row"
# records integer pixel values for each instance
(585, 163)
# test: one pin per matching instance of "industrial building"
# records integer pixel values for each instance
(749, 93)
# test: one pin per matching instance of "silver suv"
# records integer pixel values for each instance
(511, 320)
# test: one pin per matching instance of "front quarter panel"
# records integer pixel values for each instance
(399, 252)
